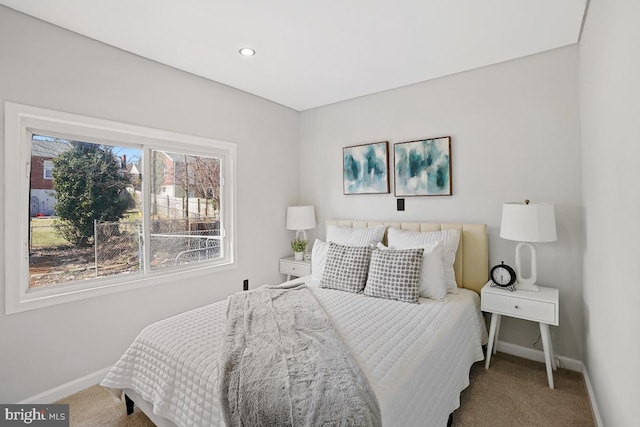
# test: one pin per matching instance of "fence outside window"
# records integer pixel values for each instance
(119, 245)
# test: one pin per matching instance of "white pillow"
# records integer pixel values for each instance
(355, 236)
(318, 258)
(402, 239)
(432, 282)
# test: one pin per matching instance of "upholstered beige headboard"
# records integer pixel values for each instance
(472, 258)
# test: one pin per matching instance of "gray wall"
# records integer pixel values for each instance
(45, 66)
(515, 136)
(610, 112)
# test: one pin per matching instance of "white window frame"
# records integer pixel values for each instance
(21, 123)
(46, 163)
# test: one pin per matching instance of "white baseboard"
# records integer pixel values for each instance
(592, 398)
(67, 389)
(538, 356)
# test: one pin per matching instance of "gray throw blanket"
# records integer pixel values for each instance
(282, 364)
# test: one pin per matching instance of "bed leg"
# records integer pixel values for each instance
(129, 404)
(450, 420)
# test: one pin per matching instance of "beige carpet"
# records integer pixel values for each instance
(513, 392)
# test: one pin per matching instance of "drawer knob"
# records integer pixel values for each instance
(517, 306)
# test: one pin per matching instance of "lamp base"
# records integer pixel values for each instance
(527, 287)
(529, 283)
(304, 235)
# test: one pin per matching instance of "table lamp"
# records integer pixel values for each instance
(528, 223)
(301, 218)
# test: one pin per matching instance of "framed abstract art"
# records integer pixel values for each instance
(423, 167)
(366, 168)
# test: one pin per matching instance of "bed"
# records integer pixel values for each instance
(416, 357)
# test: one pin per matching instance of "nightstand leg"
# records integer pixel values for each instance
(495, 343)
(288, 277)
(546, 344)
(554, 362)
(495, 319)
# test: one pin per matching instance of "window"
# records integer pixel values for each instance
(47, 166)
(120, 206)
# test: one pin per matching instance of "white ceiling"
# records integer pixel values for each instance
(313, 53)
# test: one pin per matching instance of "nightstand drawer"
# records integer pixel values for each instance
(538, 311)
(295, 268)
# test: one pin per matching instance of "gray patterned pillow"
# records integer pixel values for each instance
(346, 267)
(395, 274)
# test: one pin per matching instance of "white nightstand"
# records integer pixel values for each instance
(541, 307)
(291, 267)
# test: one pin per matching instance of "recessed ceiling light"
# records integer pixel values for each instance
(247, 51)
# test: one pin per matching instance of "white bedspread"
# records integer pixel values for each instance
(416, 356)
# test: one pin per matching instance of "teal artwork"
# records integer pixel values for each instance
(366, 168)
(423, 168)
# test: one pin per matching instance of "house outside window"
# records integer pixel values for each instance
(121, 221)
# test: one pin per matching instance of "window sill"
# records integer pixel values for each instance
(34, 299)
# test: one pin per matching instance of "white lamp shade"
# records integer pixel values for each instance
(300, 218)
(532, 222)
